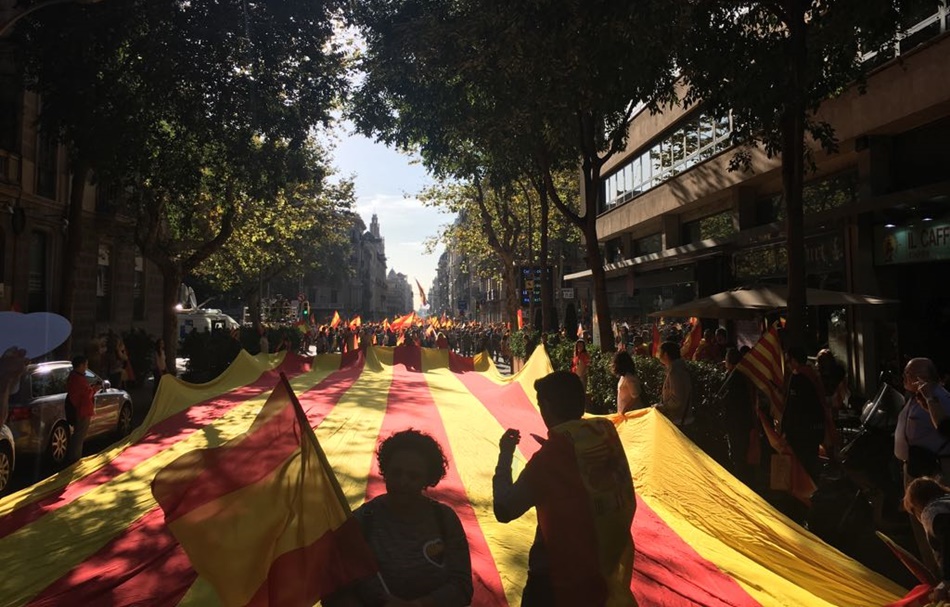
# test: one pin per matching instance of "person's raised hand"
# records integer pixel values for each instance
(509, 440)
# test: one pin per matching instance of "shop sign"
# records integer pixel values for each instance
(923, 242)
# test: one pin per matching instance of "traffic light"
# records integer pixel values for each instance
(305, 311)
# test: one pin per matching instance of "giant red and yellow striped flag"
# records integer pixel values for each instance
(94, 534)
(262, 517)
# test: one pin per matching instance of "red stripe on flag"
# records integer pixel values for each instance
(666, 570)
(151, 567)
(121, 574)
(410, 405)
(409, 356)
(161, 436)
(461, 364)
(338, 549)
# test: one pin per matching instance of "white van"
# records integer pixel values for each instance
(204, 320)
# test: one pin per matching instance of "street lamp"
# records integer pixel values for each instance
(6, 27)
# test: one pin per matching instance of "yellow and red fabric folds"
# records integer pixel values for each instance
(586, 504)
(261, 517)
(96, 535)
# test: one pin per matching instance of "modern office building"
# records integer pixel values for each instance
(676, 224)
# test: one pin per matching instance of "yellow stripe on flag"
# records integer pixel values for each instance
(348, 434)
(473, 435)
(726, 523)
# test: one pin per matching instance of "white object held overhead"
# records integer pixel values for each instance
(37, 333)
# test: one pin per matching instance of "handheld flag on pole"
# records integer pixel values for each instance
(336, 320)
(692, 339)
(356, 322)
(422, 294)
(262, 518)
(520, 319)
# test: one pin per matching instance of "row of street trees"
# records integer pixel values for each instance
(203, 116)
(495, 93)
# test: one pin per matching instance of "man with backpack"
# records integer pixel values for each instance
(80, 405)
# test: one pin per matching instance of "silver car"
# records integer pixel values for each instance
(7, 457)
(38, 411)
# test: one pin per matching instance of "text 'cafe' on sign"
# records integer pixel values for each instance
(929, 241)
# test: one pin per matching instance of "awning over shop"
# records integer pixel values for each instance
(748, 302)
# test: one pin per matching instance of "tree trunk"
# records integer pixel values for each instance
(253, 297)
(171, 283)
(595, 260)
(511, 293)
(72, 249)
(547, 316)
(793, 175)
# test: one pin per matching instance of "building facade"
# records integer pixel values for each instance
(115, 287)
(365, 291)
(676, 224)
(398, 294)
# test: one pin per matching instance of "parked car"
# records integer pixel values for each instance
(38, 411)
(7, 457)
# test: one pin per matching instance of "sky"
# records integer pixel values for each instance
(387, 183)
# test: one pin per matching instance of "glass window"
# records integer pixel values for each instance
(719, 225)
(10, 96)
(46, 165)
(138, 289)
(691, 136)
(722, 128)
(637, 174)
(648, 244)
(38, 287)
(104, 283)
(706, 131)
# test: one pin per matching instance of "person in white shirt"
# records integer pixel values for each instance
(629, 389)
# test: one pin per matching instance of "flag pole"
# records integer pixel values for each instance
(312, 438)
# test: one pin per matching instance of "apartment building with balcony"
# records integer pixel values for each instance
(676, 224)
(116, 288)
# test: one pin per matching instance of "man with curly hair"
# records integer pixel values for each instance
(419, 543)
(579, 482)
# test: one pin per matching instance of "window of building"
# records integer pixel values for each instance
(719, 225)
(10, 95)
(332, 295)
(46, 156)
(698, 138)
(648, 244)
(3, 262)
(38, 282)
(138, 289)
(104, 283)
(818, 196)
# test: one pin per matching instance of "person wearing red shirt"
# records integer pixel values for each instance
(80, 395)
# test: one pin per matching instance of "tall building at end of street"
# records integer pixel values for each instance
(363, 289)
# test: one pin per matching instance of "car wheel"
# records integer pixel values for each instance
(6, 467)
(58, 446)
(124, 426)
